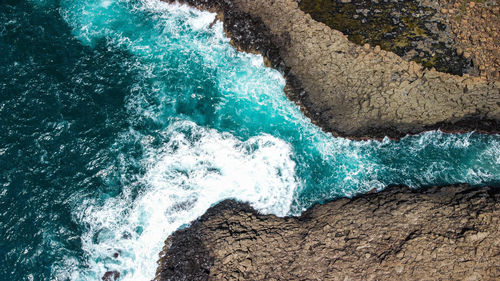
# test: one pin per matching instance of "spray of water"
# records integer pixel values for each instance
(209, 123)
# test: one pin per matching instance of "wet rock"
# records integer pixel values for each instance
(436, 233)
(111, 275)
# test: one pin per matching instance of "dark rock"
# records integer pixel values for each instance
(435, 233)
(111, 275)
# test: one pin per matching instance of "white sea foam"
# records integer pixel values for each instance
(195, 169)
(187, 167)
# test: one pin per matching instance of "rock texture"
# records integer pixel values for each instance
(454, 36)
(476, 28)
(412, 29)
(447, 233)
(351, 90)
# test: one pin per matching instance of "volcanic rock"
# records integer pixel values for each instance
(436, 233)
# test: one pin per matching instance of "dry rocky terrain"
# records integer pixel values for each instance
(454, 36)
(476, 28)
(438, 233)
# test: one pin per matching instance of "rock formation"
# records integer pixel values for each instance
(454, 36)
(412, 29)
(351, 90)
(476, 28)
(437, 233)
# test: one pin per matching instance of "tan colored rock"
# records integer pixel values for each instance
(476, 28)
(447, 233)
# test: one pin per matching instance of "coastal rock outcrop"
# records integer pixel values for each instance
(351, 90)
(454, 36)
(436, 233)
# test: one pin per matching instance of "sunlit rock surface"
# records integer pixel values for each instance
(438, 233)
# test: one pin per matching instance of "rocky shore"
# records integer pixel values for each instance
(412, 29)
(436, 233)
(356, 91)
(351, 90)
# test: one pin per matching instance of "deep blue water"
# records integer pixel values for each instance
(123, 120)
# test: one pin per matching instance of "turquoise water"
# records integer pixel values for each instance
(123, 120)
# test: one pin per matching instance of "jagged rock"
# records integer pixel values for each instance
(348, 90)
(437, 233)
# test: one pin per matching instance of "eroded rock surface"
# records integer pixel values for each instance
(352, 90)
(476, 28)
(447, 233)
(413, 29)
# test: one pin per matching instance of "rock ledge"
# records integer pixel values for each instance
(436, 233)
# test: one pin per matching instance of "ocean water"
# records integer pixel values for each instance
(123, 120)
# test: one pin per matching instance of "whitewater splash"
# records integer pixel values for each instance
(208, 123)
(193, 167)
(196, 168)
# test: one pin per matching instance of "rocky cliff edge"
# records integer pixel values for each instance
(350, 90)
(436, 233)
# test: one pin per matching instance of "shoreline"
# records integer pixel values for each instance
(393, 232)
(449, 232)
(359, 104)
